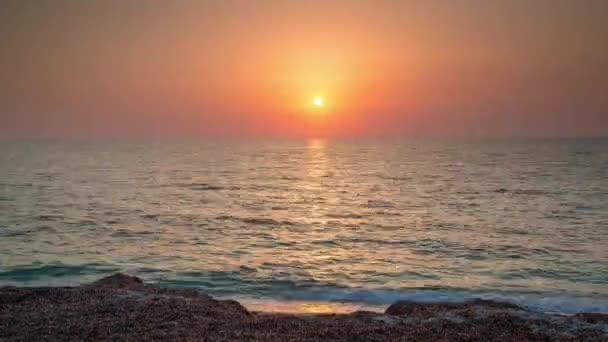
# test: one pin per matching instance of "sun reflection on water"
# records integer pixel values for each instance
(306, 307)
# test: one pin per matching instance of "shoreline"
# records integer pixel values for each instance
(121, 307)
(302, 307)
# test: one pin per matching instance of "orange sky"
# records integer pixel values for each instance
(384, 68)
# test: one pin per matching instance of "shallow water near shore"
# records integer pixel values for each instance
(315, 225)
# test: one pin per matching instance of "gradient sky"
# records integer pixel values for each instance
(240, 68)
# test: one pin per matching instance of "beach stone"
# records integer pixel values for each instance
(120, 281)
(590, 317)
(122, 308)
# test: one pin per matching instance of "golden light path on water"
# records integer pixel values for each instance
(307, 307)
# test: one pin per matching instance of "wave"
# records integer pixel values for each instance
(379, 204)
(256, 220)
(49, 217)
(202, 186)
(205, 187)
(246, 282)
(38, 271)
(395, 178)
(536, 303)
(291, 291)
(530, 192)
(345, 216)
(28, 231)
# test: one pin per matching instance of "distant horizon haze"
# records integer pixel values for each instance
(189, 69)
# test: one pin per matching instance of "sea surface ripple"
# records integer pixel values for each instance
(342, 221)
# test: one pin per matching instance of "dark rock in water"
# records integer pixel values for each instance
(404, 307)
(120, 281)
(592, 317)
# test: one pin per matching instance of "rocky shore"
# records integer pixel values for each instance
(123, 308)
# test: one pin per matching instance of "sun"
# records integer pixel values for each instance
(317, 101)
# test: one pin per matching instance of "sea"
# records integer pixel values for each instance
(315, 225)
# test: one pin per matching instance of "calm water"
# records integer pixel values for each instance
(332, 221)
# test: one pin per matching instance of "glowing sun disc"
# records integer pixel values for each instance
(317, 101)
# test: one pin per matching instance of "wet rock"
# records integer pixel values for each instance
(592, 317)
(405, 307)
(122, 308)
(120, 281)
(233, 307)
